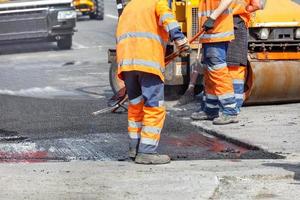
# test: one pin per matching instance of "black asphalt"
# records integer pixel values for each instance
(64, 129)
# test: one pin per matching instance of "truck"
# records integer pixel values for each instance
(37, 20)
(93, 8)
(273, 52)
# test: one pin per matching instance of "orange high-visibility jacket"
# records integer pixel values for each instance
(223, 28)
(142, 33)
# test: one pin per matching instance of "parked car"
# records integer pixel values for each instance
(37, 20)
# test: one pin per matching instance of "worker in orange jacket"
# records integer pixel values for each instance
(238, 48)
(236, 53)
(215, 17)
(236, 57)
(143, 29)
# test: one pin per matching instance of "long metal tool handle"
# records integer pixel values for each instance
(112, 108)
(173, 55)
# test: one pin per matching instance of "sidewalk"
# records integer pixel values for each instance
(181, 180)
(273, 128)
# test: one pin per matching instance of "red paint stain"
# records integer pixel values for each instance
(30, 157)
(211, 144)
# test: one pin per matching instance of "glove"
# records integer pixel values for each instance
(188, 96)
(183, 46)
(208, 24)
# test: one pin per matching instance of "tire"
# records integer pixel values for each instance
(65, 42)
(99, 13)
(115, 83)
(93, 16)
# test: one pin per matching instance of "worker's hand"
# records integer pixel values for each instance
(183, 46)
(188, 96)
(208, 24)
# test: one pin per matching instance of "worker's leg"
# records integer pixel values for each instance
(153, 120)
(154, 112)
(135, 110)
(237, 58)
(238, 74)
(218, 84)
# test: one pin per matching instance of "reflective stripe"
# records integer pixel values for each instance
(151, 129)
(171, 26)
(161, 103)
(164, 17)
(134, 135)
(209, 12)
(216, 67)
(220, 97)
(149, 141)
(230, 105)
(140, 35)
(136, 100)
(204, 13)
(211, 96)
(225, 96)
(147, 63)
(238, 81)
(135, 124)
(217, 35)
(212, 106)
(239, 96)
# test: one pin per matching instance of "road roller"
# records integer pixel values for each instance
(273, 52)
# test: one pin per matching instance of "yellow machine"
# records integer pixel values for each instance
(93, 8)
(274, 51)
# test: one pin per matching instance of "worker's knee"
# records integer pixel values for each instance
(215, 53)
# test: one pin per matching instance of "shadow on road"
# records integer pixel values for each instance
(27, 47)
(289, 167)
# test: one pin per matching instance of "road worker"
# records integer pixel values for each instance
(237, 53)
(238, 48)
(215, 17)
(143, 29)
(236, 60)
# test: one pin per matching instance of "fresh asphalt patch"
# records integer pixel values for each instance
(39, 130)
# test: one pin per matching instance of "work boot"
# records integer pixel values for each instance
(154, 159)
(132, 153)
(201, 115)
(225, 119)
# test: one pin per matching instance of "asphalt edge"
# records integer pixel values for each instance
(222, 136)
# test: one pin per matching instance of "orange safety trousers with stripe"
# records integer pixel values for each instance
(143, 30)
(146, 112)
(238, 75)
(218, 87)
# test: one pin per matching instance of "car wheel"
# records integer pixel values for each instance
(93, 16)
(65, 42)
(99, 9)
